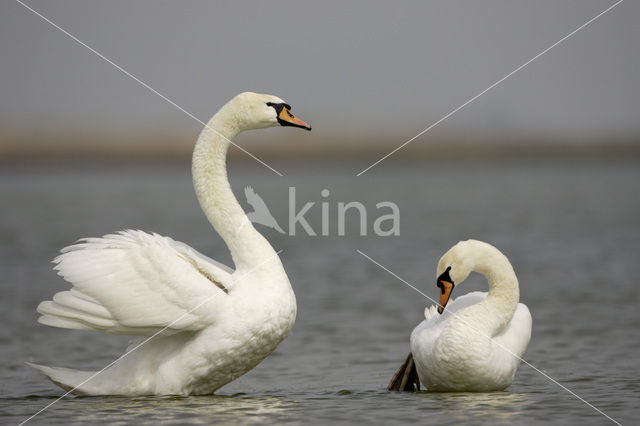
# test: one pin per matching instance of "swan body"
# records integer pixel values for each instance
(204, 323)
(477, 342)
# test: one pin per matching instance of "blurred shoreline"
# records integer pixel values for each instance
(177, 146)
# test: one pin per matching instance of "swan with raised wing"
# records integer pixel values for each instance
(476, 342)
(206, 324)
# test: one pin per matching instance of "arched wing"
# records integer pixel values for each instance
(136, 283)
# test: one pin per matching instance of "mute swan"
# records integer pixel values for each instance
(477, 343)
(209, 324)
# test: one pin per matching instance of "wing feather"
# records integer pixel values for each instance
(135, 283)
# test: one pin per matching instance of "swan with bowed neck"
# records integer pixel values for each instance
(476, 342)
(207, 324)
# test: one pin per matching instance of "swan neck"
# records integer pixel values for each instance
(504, 293)
(211, 183)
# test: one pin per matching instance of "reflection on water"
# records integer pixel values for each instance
(237, 409)
(499, 406)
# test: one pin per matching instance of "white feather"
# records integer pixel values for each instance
(140, 283)
(209, 324)
(478, 341)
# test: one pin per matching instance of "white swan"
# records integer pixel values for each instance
(213, 324)
(477, 343)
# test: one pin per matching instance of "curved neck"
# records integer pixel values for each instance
(247, 246)
(498, 307)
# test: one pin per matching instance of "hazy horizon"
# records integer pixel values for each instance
(352, 70)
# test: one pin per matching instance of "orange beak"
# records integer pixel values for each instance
(291, 120)
(446, 288)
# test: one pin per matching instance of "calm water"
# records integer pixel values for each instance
(571, 231)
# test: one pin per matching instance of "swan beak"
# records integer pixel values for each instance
(287, 119)
(446, 288)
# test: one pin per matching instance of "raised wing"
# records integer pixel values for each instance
(138, 284)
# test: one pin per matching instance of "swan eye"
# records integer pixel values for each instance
(444, 277)
(277, 107)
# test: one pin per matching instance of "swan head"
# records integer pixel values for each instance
(258, 111)
(454, 267)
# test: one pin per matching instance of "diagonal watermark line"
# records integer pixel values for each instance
(455, 315)
(127, 73)
(489, 88)
(145, 341)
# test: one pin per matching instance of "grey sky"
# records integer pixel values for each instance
(370, 65)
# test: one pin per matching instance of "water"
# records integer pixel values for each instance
(570, 229)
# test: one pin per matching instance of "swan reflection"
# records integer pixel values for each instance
(239, 409)
(470, 405)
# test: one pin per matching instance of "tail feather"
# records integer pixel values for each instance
(67, 378)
